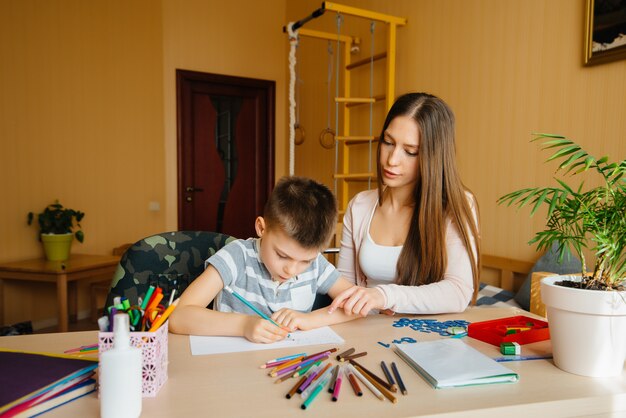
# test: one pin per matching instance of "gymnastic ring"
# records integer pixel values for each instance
(299, 134)
(324, 141)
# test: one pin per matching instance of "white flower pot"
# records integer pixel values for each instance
(587, 328)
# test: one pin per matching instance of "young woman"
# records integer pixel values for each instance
(412, 245)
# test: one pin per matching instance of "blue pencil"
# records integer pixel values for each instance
(251, 306)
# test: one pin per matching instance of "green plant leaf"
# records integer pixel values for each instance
(539, 201)
(555, 143)
(564, 151)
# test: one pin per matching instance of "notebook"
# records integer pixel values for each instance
(41, 404)
(448, 363)
(26, 376)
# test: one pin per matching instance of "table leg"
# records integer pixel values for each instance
(62, 301)
(2, 305)
(72, 294)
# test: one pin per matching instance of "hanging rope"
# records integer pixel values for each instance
(293, 42)
(327, 137)
(300, 134)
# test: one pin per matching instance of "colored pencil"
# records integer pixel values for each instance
(330, 350)
(295, 388)
(366, 382)
(337, 387)
(316, 384)
(160, 320)
(305, 369)
(398, 378)
(378, 386)
(297, 366)
(269, 363)
(152, 306)
(82, 347)
(375, 377)
(171, 297)
(354, 384)
(285, 365)
(345, 353)
(311, 397)
(333, 379)
(146, 299)
(321, 372)
(353, 356)
(281, 379)
(388, 376)
(309, 379)
(251, 306)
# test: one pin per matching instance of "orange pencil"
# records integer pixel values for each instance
(160, 320)
(156, 299)
(285, 365)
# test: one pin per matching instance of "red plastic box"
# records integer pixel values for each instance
(495, 331)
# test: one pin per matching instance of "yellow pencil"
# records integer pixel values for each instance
(156, 324)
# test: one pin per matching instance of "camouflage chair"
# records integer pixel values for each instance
(170, 260)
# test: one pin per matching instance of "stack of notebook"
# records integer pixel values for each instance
(447, 363)
(34, 383)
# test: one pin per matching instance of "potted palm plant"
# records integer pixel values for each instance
(586, 313)
(56, 224)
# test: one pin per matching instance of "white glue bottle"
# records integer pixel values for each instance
(120, 374)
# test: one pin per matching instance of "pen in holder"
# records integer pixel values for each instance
(153, 347)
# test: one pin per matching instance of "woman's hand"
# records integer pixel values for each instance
(291, 319)
(259, 330)
(358, 300)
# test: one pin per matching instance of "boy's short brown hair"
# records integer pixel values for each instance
(305, 210)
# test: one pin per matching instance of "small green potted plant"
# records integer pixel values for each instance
(56, 224)
(586, 313)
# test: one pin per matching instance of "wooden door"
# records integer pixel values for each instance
(225, 151)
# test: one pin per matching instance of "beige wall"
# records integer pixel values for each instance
(90, 87)
(80, 121)
(507, 68)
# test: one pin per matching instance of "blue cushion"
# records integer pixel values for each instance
(548, 262)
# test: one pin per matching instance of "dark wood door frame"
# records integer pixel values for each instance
(185, 78)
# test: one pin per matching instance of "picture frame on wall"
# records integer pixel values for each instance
(605, 31)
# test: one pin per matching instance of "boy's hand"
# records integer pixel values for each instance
(292, 320)
(259, 330)
(358, 300)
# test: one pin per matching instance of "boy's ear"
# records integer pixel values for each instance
(259, 226)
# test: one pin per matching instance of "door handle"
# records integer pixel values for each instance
(192, 189)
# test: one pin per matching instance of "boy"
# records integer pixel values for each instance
(279, 273)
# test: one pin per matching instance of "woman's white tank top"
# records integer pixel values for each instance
(378, 262)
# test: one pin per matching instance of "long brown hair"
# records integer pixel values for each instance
(439, 194)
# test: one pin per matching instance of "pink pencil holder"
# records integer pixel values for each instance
(154, 350)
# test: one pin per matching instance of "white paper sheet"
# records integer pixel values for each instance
(201, 345)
